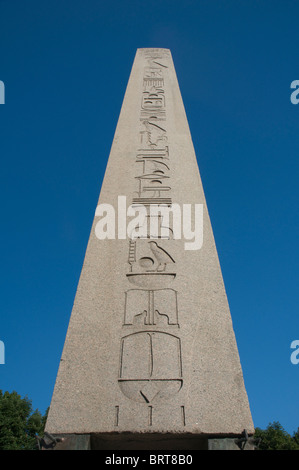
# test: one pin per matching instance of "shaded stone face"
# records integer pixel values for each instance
(150, 346)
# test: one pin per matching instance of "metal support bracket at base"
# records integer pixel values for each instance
(69, 442)
(244, 442)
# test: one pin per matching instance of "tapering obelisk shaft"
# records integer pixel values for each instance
(150, 347)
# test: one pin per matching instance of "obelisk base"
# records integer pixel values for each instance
(131, 441)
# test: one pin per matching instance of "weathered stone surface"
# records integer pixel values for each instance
(150, 346)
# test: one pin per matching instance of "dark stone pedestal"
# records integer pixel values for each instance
(229, 444)
(127, 441)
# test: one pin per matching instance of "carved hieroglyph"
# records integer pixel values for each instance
(150, 357)
(150, 345)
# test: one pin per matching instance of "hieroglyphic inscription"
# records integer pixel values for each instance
(150, 368)
(151, 307)
(153, 179)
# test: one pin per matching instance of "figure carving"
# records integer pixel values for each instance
(161, 256)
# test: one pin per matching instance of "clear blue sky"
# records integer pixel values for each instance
(65, 65)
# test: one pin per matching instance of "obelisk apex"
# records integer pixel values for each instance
(150, 349)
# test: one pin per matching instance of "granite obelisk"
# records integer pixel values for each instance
(150, 354)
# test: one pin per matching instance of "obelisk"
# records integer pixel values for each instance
(150, 358)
